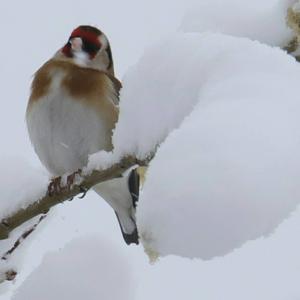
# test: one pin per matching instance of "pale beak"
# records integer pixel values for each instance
(76, 44)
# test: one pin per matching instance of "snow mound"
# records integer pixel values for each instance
(264, 269)
(87, 268)
(231, 172)
(28, 185)
(158, 93)
(164, 86)
(259, 20)
(20, 185)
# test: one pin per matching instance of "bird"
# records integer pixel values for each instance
(71, 113)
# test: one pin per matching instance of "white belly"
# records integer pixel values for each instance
(64, 132)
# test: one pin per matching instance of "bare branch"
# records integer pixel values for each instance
(42, 206)
(292, 46)
(19, 241)
(11, 274)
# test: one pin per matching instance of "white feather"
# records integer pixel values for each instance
(116, 193)
(64, 131)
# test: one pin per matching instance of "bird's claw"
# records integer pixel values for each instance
(71, 179)
(54, 186)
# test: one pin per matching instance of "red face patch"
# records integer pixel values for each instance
(87, 36)
(67, 51)
(90, 42)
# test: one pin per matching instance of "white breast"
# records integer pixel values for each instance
(65, 131)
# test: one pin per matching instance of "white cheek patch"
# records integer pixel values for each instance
(81, 58)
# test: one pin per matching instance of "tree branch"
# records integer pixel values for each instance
(43, 205)
(23, 237)
(293, 21)
(292, 46)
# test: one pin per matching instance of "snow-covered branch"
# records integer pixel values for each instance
(42, 206)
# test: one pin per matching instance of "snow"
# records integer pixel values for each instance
(14, 261)
(31, 184)
(151, 103)
(20, 185)
(235, 160)
(154, 102)
(242, 87)
(265, 269)
(153, 94)
(89, 267)
(259, 20)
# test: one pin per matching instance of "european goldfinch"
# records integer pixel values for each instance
(72, 110)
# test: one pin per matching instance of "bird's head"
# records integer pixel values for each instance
(87, 46)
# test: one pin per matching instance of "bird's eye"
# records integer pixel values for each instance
(90, 47)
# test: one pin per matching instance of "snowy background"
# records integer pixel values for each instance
(219, 206)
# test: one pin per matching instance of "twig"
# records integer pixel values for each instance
(292, 46)
(19, 241)
(11, 274)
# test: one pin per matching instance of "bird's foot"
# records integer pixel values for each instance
(71, 179)
(54, 186)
